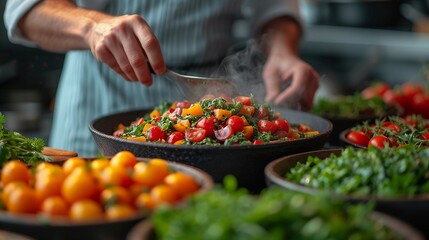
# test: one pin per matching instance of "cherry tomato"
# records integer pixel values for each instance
(236, 123)
(72, 163)
(164, 194)
(244, 100)
(120, 211)
(412, 89)
(124, 159)
(267, 126)
(155, 133)
(379, 141)
(23, 200)
(224, 133)
(358, 137)
(55, 206)
(262, 112)
(86, 210)
(398, 99)
(420, 105)
(376, 90)
(150, 174)
(174, 137)
(78, 185)
(195, 134)
(207, 124)
(15, 170)
(425, 136)
(282, 124)
(182, 183)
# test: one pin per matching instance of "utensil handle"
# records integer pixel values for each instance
(58, 154)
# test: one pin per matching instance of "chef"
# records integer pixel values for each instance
(109, 46)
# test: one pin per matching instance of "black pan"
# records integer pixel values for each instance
(411, 210)
(245, 162)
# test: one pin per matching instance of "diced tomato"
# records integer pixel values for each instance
(175, 136)
(155, 133)
(184, 104)
(282, 124)
(118, 132)
(267, 126)
(257, 142)
(244, 100)
(224, 133)
(207, 124)
(138, 122)
(195, 134)
(236, 123)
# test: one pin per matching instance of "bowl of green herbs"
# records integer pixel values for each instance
(346, 111)
(394, 179)
(225, 213)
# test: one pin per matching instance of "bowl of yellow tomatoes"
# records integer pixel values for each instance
(92, 198)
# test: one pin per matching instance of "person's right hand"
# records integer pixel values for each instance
(127, 45)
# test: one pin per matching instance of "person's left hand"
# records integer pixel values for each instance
(285, 68)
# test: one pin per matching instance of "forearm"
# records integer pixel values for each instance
(282, 34)
(58, 25)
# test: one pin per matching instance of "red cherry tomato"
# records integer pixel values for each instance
(412, 89)
(267, 126)
(224, 133)
(377, 90)
(207, 124)
(420, 105)
(236, 123)
(195, 134)
(379, 141)
(155, 133)
(282, 124)
(425, 136)
(174, 137)
(244, 100)
(399, 99)
(262, 112)
(358, 137)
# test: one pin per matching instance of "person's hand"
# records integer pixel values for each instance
(127, 45)
(287, 69)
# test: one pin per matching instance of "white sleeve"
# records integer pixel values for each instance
(14, 11)
(260, 12)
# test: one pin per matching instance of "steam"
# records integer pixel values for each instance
(244, 70)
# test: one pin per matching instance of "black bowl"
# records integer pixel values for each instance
(246, 163)
(64, 229)
(145, 230)
(411, 210)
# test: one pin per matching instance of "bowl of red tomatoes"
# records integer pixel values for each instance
(92, 198)
(221, 136)
(393, 131)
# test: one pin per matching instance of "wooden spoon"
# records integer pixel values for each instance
(58, 154)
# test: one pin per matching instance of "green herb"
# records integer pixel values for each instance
(13, 145)
(228, 213)
(384, 172)
(353, 106)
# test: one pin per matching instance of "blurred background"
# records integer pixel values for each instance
(351, 43)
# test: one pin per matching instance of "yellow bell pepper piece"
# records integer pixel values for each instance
(247, 110)
(195, 110)
(220, 114)
(155, 114)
